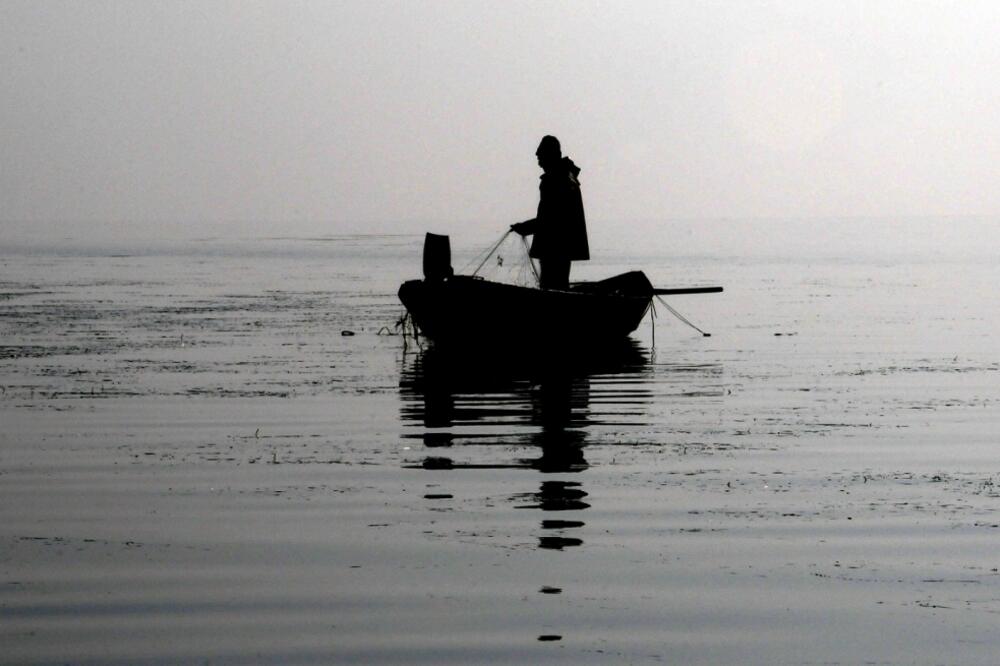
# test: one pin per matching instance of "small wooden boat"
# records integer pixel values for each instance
(463, 310)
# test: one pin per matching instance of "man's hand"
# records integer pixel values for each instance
(523, 228)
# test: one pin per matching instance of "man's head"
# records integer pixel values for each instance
(549, 152)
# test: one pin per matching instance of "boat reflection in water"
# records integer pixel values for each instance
(524, 411)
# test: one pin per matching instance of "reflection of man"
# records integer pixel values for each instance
(560, 229)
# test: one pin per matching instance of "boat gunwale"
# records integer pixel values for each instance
(460, 280)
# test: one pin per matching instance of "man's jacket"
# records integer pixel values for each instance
(560, 228)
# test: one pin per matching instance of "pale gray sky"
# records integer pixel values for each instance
(293, 118)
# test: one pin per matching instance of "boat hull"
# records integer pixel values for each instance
(467, 311)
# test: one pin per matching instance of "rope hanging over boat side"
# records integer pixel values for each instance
(651, 309)
(680, 316)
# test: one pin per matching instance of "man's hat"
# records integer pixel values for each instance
(549, 146)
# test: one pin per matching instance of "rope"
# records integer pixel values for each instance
(531, 262)
(652, 319)
(492, 250)
(475, 259)
(680, 316)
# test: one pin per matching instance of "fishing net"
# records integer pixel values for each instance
(507, 262)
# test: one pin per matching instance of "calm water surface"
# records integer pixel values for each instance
(198, 465)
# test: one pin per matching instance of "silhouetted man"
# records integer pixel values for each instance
(560, 229)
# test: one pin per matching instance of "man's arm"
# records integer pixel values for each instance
(525, 228)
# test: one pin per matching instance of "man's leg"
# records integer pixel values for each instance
(555, 273)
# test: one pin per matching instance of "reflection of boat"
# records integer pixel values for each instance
(465, 310)
(502, 392)
(485, 411)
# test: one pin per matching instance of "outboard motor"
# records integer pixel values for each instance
(437, 258)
